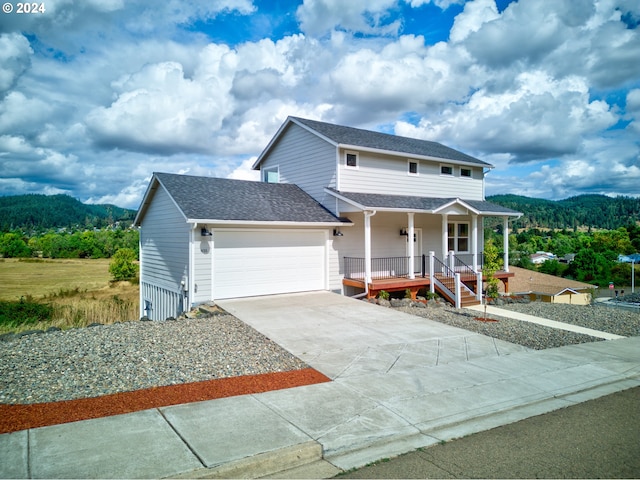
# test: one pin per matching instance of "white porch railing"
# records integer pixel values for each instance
(446, 273)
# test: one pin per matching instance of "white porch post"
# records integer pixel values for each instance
(445, 236)
(367, 245)
(505, 243)
(411, 251)
(474, 241)
(432, 286)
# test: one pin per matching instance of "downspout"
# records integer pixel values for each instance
(192, 267)
(141, 288)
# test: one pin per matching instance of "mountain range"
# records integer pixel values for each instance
(42, 212)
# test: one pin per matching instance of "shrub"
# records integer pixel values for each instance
(384, 295)
(123, 266)
(26, 311)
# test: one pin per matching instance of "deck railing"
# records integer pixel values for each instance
(383, 268)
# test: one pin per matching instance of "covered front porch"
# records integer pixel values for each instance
(408, 243)
(452, 278)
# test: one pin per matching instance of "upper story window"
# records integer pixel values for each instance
(465, 172)
(271, 175)
(446, 169)
(351, 159)
(413, 167)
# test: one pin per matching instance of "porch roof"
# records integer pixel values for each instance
(403, 203)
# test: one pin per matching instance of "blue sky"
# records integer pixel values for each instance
(95, 95)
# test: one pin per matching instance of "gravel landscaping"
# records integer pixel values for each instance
(596, 317)
(100, 360)
(129, 356)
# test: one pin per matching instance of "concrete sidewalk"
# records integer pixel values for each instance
(399, 382)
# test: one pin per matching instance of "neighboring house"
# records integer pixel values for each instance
(632, 258)
(335, 211)
(541, 257)
(549, 288)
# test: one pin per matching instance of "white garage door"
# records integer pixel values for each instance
(266, 262)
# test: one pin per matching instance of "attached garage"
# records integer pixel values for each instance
(248, 263)
(204, 239)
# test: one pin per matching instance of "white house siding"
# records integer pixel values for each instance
(389, 175)
(202, 268)
(305, 160)
(164, 255)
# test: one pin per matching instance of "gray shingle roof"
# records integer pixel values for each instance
(427, 204)
(209, 198)
(384, 141)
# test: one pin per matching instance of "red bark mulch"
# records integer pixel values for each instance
(24, 416)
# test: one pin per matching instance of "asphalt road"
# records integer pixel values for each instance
(595, 439)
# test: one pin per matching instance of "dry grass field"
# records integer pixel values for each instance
(80, 291)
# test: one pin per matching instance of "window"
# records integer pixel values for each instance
(465, 172)
(351, 159)
(458, 237)
(271, 175)
(413, 168)
(446, 170)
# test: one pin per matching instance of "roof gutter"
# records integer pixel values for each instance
(255, 223)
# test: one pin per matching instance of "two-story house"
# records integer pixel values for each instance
(338, 208)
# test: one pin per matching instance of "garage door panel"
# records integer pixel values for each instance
(269, 262)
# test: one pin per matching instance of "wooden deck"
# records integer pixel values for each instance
(414, 285)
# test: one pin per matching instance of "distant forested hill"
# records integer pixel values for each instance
(41, 212)
(595, 211)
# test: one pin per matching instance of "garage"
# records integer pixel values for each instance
(265, 262)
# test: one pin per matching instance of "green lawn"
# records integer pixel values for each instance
(44, 277)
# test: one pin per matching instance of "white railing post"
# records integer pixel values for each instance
(457, 277)
(479, 286)
(452, 260)
(432, 286)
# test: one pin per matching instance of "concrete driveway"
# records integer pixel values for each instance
(340, 336)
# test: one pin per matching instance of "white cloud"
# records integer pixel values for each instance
(116, 90)
(15, 54)
(318, 17)
(538, 117)
(244, 171)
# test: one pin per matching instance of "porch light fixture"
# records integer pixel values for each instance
(403, 232)
(205, 233)
(337, 232)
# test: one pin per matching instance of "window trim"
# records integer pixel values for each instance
(446, 165)
(409, 172)
(469, 169)
(266, 171)
(456, 237)
(346, 154)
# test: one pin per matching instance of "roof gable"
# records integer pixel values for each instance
(208, 199)
(351, 137)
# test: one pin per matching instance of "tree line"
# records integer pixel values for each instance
(588, 211)
(102, 243)
(596, 252)
(39, 213)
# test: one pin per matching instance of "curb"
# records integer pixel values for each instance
(263, 464)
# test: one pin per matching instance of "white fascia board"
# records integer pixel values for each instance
(148, 198)
(412, 155)
(274, 139)
(315, 132)
(252, 223)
